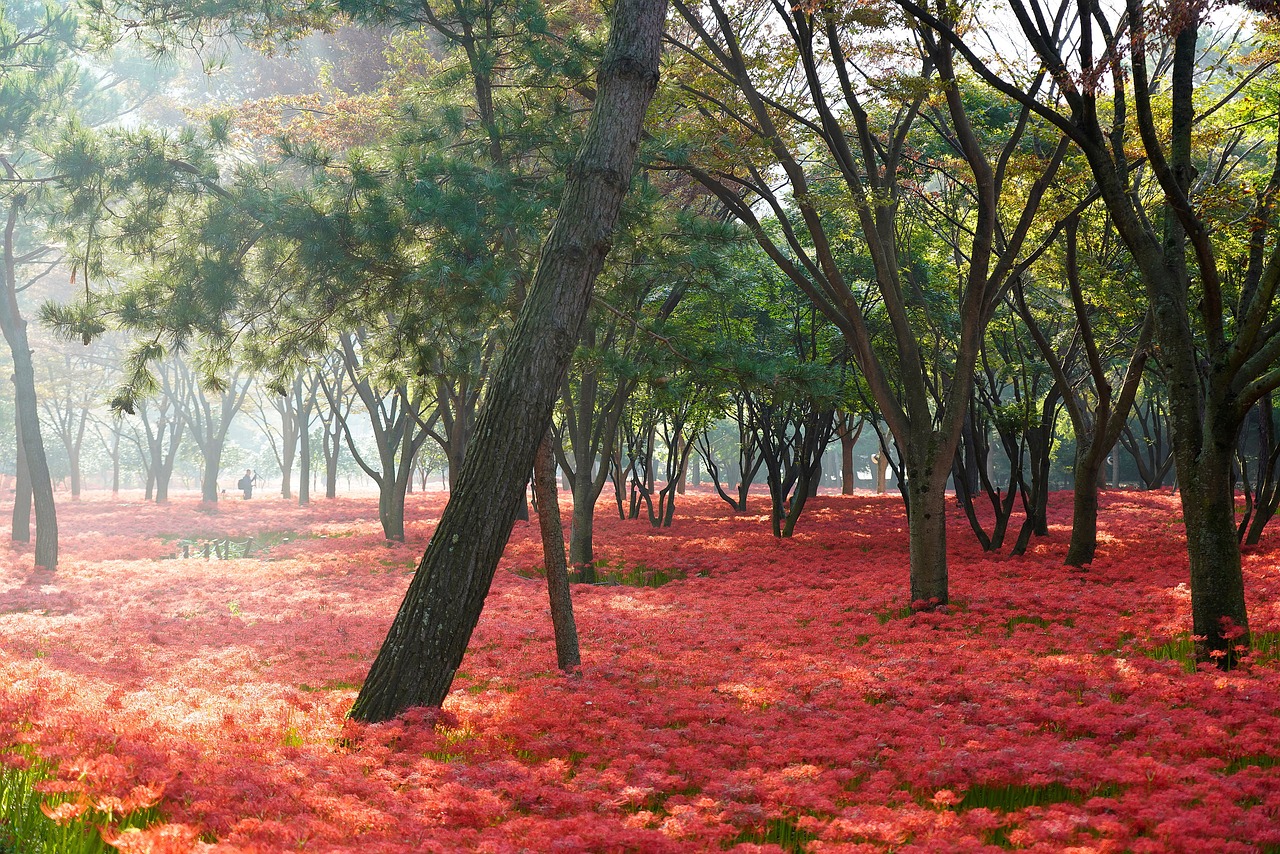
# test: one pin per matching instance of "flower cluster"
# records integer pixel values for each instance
(777, 693)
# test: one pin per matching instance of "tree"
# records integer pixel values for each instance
(568, 657)
(37, 80)
(1196, 210)
(427, 640)
(753, 108)
(209, 420)
(395, 415)
(1099, 397)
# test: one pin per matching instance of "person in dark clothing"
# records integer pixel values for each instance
(246, 483)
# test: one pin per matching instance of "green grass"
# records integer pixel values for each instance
(883, 617)
(1242, 762)
(1031, 620)
(783, 832)
(25, 829)
(633, 575)
(1265, 647)
(1014, 798)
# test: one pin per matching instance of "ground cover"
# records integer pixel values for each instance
(769, 693)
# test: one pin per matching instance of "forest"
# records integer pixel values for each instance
(500, 425)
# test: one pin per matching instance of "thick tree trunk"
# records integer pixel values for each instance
(391, 492)
(568, 657)
(1218, 612)
(164, 473)
(429, 636)
(1084, 517)
(582, 553)
(927, 532)
(1084, 523)
(212, 465)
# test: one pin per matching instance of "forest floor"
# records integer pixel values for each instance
(773, 694)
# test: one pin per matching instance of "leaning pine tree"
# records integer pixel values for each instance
(425, 645)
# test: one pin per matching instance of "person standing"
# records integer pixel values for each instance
(246, 483)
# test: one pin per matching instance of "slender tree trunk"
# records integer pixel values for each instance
(429, 635)
(27, 406)
(304, 460)
(115, 465)
(568, 657)
(331, 469)
(848, 474)
(21, 530)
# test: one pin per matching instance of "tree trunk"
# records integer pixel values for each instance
(21, 529)
(429, 636)
(391, 493)
(304, 463)
(927, 530)
(1084, 523)
(1218, 611)
(331, 470)
(582, 553)
(683, 478)
(115, 465)
(164, 473)
(27, 406)
(1084, 518)
(848, 474)
(568, 657)
(212, 465)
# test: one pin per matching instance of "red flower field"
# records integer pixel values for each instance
(776, 693)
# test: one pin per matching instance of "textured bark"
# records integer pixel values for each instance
(304, 466)
(1084, 517)
(848, 439)
(429, 635)
(20, 532)
(568, 657)
(27, 406)
(927, 530)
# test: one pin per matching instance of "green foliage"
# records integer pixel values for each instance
(25, 827)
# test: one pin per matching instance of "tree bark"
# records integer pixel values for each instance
(927, 530)
(14, 327)
(568, 657)
(429, 636)
(848, 473)
(20, 532)
(304, 463)
(1084, 510)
